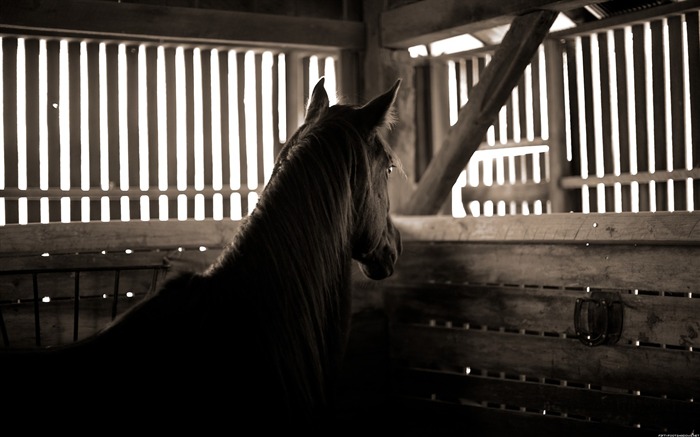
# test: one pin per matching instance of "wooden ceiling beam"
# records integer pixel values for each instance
(112, 20)
(497, 81)
(430, 20)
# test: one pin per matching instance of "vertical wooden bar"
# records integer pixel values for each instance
(225, 144)
(52, 111)
(480, 65)
(536, 108)
(171, 131)
(607, 156)
(590, 146)
(659, 108)
(574, 126)
(112, 52)
(622, 113)
(9, 53)
(207, 129)
(295, 90)
(277, 145)
(675, 47)
(132, 96)
(152, 124)
(510, 116)
(424, 145)
(522, 109)
(693, 32)
(31, 49)
(348, 77)
(305, 62)
(189, 93)
(93, 66)
(259, 119)
(439, 103)
(243, 154)
(74, 125)
(640, 110)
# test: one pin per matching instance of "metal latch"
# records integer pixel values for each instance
(598, 319)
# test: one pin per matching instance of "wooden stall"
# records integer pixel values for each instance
(548, 280)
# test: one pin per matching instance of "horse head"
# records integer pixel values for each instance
(376, 243)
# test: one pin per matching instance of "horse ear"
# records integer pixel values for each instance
(378, 112)
(318, 103)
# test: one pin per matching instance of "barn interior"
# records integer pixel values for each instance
(551, 165)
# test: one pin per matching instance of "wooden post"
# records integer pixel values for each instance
(559, 164)
(499, 78)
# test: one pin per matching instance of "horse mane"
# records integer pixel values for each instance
(295, 250)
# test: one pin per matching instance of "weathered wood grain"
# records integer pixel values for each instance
(553, 399)
(654, 370)
(678, 228)
(647, 319)
(114, 236)
(653, 268)
(162, 23)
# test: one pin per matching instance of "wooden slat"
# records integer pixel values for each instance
(659, 108)
(242, 129)
(206, 126)
(53, 100)
(74, 124)
(677, 96)
(259, 118)
(640, 95)
(596, 266)
(132, 120)
(114, 236)
(114, 193)
(113, 126)
(31, 47)
(497, 81)
(540, 356)
(171, 114)
(648, 319)
(559, 163)
(693, 32)
(427, 417)
(9, 72)
(93, 79)
(574, 117)
(189, 122)
(623, 409)
(660, 176)
(620, 69)
(152, 126)
(679, 228)
(529, 192)
(188, 25)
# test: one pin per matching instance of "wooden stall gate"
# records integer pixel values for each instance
(496, 325)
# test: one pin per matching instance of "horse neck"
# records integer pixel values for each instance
(294, 252)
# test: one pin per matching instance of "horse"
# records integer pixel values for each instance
(265, 326)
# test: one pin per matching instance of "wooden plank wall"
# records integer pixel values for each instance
(152, 136)
(482, 335)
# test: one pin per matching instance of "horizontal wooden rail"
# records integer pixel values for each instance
(95, 237)
(677, 228)
(575, 182)
(191, 25)
(96, 193)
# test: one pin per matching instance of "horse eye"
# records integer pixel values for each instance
(390, 169)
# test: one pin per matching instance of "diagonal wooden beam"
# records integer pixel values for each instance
(497, 81)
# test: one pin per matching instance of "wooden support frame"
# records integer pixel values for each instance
(498, 80)
(85, 18)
